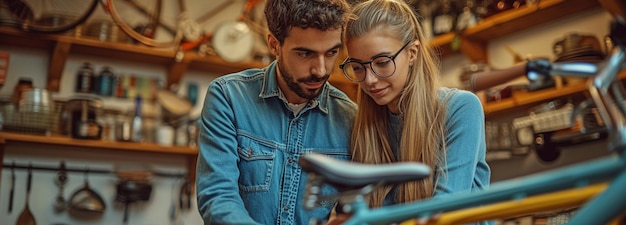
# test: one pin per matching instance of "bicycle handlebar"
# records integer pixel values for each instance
(537, 70)
(483, 80)
(604, 88)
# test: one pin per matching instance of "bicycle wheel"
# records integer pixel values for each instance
(146, 22)
(45, 16)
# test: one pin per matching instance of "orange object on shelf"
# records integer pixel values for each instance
(4, 67)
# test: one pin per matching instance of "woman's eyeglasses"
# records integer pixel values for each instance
(383, 66)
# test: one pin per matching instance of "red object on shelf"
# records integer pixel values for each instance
(4, 67)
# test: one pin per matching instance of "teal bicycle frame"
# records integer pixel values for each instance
(601, 210)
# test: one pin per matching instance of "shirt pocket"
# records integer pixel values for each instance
(255, 166)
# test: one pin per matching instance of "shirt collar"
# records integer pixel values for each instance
(270, 89)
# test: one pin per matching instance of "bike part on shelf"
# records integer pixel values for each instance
(142, 20)
(190, 28)
(45, 16)
(233, 41)
(204, 37)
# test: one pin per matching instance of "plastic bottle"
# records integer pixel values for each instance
(84, 78)
(444, 19)
(136, 124)
(105, 82)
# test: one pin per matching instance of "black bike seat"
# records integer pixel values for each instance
(347, 174)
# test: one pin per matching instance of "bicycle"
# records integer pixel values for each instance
(144, 21)
(595, 187)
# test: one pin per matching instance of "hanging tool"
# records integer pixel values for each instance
(26, 217)
(184, 201)
(12, 186)
(60, 180)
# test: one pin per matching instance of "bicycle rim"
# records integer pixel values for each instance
(145, 22)
(45, 16)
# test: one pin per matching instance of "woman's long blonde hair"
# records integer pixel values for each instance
(422, 137)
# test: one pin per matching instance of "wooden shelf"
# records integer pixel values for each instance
(7, 138)
(527, 98)
(61, 46)
(513, 21)
(474, 39)
(11, 137)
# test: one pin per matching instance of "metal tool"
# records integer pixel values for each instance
(184, 201)
(60, 180)
(12, 186)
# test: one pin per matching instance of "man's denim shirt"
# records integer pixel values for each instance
(250, 142)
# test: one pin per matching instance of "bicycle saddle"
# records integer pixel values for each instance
(346, 174)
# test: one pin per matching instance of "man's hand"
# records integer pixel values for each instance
(429, 220)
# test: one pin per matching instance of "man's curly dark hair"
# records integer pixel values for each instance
(324, 15)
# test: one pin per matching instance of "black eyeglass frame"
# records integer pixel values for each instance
(391, 57)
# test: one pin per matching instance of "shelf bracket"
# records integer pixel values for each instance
(176, 71)
(474, 50)
(56, 64)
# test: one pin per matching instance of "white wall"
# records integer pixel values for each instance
(29, 62)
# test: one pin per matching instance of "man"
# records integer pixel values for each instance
(255, 124)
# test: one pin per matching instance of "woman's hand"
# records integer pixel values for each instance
(336, 219)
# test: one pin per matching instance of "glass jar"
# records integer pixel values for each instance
(84, 78)
(444, 18)
(23, 84)
(104, 82)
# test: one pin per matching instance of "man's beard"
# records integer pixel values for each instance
(293, 84)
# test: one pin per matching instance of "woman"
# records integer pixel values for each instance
(403, 115)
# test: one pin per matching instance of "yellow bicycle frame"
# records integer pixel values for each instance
(510, 209)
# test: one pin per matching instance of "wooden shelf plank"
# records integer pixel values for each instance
(123, 51)
(525, 17)
(513, 21)
(218, 65)
(9, 137)
(528, 98)
(441, 44)
(492, 107)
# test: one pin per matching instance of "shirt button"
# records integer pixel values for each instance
(290, 160)
(286, 208)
